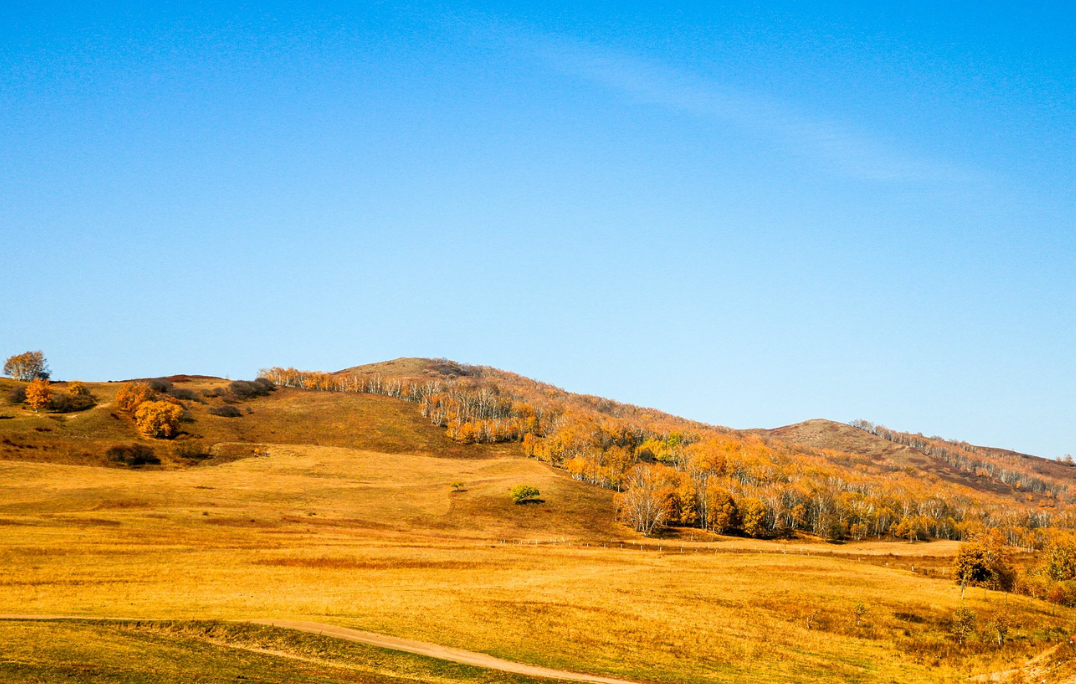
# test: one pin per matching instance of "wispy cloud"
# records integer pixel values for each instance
(841, 146)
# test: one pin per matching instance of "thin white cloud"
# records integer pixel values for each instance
(840, 146)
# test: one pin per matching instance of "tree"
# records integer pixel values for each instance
(78, 389)
(645, 501)
(753, 513)
(158, 419)
(963, 624)
(1060, 560)
(38, 394)
(27, 366)
(982, 562)
(522, 494)
(132, 395)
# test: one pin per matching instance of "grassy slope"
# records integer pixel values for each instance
(392, 548)
(352, 520)
(210, 653)
(286, 416)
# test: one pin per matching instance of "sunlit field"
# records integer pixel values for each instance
(384, 542)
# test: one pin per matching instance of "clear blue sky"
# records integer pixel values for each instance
(745, 215)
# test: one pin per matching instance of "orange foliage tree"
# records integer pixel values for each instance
(132, 395)
(158, 419)
(38, 394)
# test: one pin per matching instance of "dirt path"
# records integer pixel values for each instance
(394, 643)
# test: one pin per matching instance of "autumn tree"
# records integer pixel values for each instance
(132, 395)
(1060, 561)
(158, 419)
(27, 366)
(753, 515)
(644, 503)
(982, 562)
(38, 394)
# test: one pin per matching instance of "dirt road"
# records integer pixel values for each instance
(394, 643)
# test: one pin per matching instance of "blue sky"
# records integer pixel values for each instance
(745, 215)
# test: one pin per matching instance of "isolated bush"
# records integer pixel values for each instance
(132, 455)
(226, 411)
(132, 395)
(159, 419)
(27, 366)
(522, 494)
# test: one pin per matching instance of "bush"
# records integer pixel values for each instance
(185, 394)
(69, 403)
(159, 419)
(132, 455)
(78, 389)
(226, 411)
(191, 451)
(241, 390)
(522, 494)
(160, 385)
(17, 395)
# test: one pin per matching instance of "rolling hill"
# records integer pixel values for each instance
(350, 503)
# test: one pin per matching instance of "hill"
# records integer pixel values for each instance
(368, 506)
(832, 480)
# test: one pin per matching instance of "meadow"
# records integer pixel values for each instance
(383, 542)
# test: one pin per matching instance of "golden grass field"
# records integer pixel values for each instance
(342, 533)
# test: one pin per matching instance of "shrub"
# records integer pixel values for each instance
(69, 403)
(522, 494)
(78, 389)
(963, 624)
(17, 395)
(132, 395)
(191, 451)
(185, 394)
(241, 390)
(159, 419)
(160, 385)
(132, 455)
(226, 411)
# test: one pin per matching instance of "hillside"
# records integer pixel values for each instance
(353, 508)
(832, 480)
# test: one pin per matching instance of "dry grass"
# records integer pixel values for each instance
(380, 542)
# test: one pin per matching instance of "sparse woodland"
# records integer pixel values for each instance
(716, 479)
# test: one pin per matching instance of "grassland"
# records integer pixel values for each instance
(352, 520)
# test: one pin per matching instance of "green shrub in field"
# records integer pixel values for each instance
(522, 494)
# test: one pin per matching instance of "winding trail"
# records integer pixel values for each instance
(422, 648)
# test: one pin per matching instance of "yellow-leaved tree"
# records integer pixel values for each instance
(132, 395)
(158, 419)
(38, 394)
